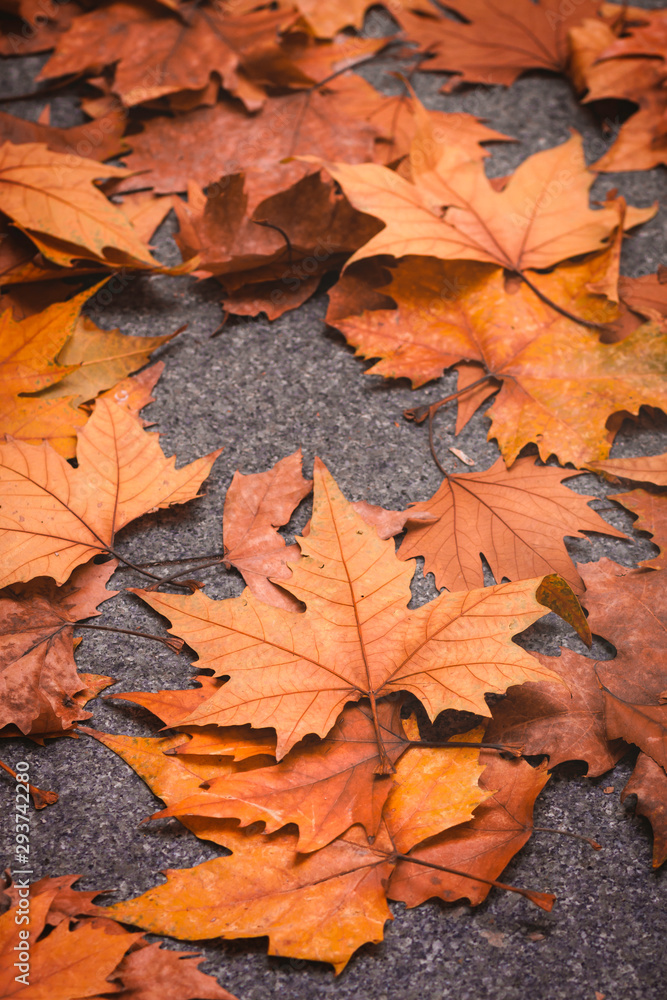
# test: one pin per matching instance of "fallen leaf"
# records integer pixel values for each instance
(564, 721)
(98, 140)
(559, 383)
(68, 515)
(170, 153)
(651, 511)
(38, 676)
(626, 607)
(648, 782)
(75, 951)
(539, 218)
(55, 201)
(182, 54)
(324, 787)
(255, 507)
(483, 846)
(495, 44)
(295, 672)
(323, 905)
(515, 518)
(645, 469)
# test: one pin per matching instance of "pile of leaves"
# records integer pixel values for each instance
(309, 749)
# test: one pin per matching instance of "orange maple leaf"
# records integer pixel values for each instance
(54, 517)
(516, 518)
(295, 672)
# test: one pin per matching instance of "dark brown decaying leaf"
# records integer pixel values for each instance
(564, 721)
(38, 676)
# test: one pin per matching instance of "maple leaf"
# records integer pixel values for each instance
(626, 607)
(559, 382)
(325, 904)
(452, 211)
(647, 294)
(38, 677)
(171, 152)
(516, 518)
(274, 261)
(481, 847)
(651, 511)
(255, 506)
(28, 349)
(631, 68)
(295, 672)
(564, 721)
(325, 787)
(26, 28)
(100, 359)
(54, 200)
(648, 782)
(327, 19)
(65, 516)
(84, 960)
(182, 54)
(645, 469)
(321, 905)
(495, 44)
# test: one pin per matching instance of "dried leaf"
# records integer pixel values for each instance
(68, 515)
(38, 677)
(651, 511)
(648, 782)
(295, 672)
(516, 518)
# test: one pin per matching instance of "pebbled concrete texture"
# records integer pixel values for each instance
(262, 390)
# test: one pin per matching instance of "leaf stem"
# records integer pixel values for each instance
(568, 833)
(40, 797)
(542, 899)
(561, 309)
(514, 751)
(172, 643)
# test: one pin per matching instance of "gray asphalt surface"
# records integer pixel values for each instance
(262, 390)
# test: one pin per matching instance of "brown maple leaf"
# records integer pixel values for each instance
(98, 141)
(54, 518)
(651, 511)
(481, 847)
(295, 672)
(322, 905)
(38, 677)
(324, 787)
(495, 43)
(157, 52)
(275, 260)
(626, 607)
(516, 518)
(564, 721)
(648, 782)
(53, 198)
(255, 507)
(171, 152)
(631, 68)
(327, 19)
(28, 26)
(559, 382)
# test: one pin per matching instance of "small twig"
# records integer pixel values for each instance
(420, 413)
(172, 643)
(40, 797)
(173, 562)
(568, 833)
(542, 899)
(514, 751)
(175, 576)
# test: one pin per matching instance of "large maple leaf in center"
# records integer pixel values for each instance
(296, 671)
